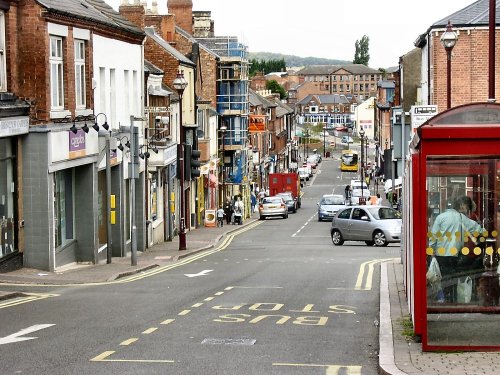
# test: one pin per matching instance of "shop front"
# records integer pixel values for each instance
(452, 226)
(11, 128)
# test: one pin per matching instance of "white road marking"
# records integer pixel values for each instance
(201, 273)
(15, 337)
(303, 226)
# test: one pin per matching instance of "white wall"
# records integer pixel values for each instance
(120, 65)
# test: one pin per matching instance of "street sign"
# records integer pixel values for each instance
(421, 113)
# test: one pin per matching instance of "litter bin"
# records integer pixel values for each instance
(362, 200)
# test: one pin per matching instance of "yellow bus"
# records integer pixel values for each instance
(349, 160)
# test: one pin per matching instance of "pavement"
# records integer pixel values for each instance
(399, 354)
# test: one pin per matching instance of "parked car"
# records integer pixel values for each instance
(272, 206)
(375, 225)
(329, 205)
(303, 174)
(290, 201)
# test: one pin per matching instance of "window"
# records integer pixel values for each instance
(63, 206)
(56, 73)
(80, 74)
(3, 74)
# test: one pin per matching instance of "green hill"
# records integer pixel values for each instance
(292, 60)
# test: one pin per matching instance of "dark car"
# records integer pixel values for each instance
(290, 201)
(375, 225)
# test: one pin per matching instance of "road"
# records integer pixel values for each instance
(279, 299)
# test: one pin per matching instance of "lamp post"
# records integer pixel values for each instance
(361, 169)
(223, 130)
(180, 85)
(324, 141)
(448, 40)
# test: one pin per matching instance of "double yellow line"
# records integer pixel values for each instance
(369, 275)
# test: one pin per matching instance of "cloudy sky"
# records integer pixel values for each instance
(325, 28)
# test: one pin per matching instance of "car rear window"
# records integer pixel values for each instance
(272, 200)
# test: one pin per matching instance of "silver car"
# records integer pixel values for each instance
(329, 205)
(375, 225)
(272, 206)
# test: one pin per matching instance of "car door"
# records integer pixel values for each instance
(342, 222)
(360, 225)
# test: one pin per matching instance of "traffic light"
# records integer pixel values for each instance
(191, 162)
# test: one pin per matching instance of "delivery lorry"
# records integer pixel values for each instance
(285, 182)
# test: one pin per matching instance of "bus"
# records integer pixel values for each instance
(349, 161)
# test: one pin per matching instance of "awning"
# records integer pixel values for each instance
(158, 91)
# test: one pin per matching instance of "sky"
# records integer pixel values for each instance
(325, 28)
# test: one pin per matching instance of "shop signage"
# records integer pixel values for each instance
(76, 144)
(257, 123)
(10, 126)
(170, 154)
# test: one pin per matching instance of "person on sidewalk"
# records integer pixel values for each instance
(379, 200)
(228, 210)
(238, 211)
(253, 200)
(220, 217)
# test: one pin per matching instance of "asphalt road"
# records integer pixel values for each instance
(279, 299)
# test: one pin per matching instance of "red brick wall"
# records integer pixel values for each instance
(469, 69)
(134, 13)
(162, 59)
(183, 15)
(207, 77)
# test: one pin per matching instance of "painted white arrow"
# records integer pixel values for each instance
(202, 273)
(15, 337)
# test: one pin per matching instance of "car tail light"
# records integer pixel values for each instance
(282, 205)
(261, 205)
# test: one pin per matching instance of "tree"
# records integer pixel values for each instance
(267, 66)
(362, 55)
(274, 86)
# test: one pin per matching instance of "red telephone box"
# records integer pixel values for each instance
(452, 219)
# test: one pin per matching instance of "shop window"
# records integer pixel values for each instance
(154, 195)
(56, 73)
(80, 74)
(63, 206)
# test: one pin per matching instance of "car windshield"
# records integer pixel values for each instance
(350, 159)
(332, 200)
(384, 213)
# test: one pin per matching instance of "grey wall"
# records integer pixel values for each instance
(37, 190)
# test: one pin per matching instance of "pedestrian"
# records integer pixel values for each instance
(348, 193)
(238, 211)
(228, 210)
(220, 217)
(253, 201)
(379, 200)
(454, 221)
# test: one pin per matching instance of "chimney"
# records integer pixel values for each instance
(133, 12)
(183, 12)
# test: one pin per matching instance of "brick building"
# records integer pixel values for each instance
(79, 67)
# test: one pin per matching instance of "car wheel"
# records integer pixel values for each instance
(379, 238)
(337, 238)
(369, 243)
(319, 218)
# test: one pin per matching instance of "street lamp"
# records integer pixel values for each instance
(223, 130)
(361, 169)
(180, 85)
(366, 151)
(448, 40)
(324, 142)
